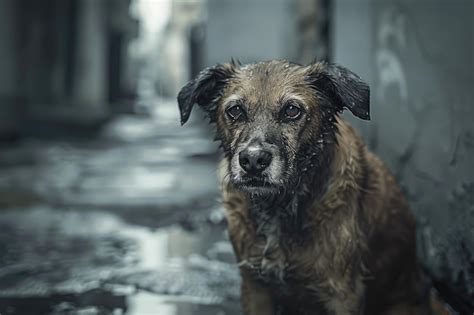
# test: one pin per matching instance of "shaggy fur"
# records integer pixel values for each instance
(326, 230)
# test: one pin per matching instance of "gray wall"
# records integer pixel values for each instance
(418, 57)
(91, 67)
(249, 30)
(8, 74)
(8, 82)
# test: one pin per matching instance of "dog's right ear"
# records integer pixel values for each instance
(205, 90)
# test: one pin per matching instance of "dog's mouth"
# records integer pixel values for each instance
(256, 185)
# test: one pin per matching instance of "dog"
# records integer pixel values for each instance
(317, 222)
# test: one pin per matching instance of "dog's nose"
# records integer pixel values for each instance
(254, 161)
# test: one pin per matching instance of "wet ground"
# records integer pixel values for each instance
(128, 222)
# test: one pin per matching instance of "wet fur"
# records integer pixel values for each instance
(334, 234)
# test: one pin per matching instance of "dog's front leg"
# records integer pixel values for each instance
(349, 306)
(256, 299)
(346, 299)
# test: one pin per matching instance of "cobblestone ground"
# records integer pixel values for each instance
(125, 223)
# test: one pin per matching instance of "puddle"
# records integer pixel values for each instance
(144, 302)
(104, 302)
(57, 261)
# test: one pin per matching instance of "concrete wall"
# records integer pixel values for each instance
(249, 30)
(91, 63)
(419, 59)
(8, 74)
(8, 79)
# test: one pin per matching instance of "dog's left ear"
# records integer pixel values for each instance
(344, 88)
(205, 90)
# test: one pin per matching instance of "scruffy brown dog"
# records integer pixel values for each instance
(318, 224)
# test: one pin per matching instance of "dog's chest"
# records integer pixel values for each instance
(268, 256)
(265, 247)
(271, 268)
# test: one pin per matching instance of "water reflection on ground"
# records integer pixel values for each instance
(91, 262)
(125, 223)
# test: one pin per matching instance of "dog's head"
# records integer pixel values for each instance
(274, 119)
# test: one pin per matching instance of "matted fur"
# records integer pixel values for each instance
(330, 231)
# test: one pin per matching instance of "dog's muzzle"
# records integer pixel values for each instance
(257, 167)
(254, 160)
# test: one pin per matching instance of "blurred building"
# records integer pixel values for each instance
(202, 33)
(266, 29)
(62, 62)
(180, 52)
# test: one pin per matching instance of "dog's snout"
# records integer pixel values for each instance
(254, 161)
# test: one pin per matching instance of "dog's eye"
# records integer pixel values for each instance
(291, 111)
(235, 112)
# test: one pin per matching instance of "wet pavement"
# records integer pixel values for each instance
(128, 222)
